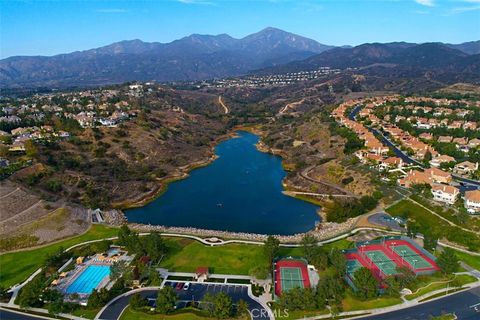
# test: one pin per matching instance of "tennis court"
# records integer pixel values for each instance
(291, 278)
(290, 273)
(413, 258)
(352, 266)
(384, 263)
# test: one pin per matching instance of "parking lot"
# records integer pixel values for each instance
(197, 291)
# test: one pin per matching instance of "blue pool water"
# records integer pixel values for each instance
(240, 191)
(89, 279)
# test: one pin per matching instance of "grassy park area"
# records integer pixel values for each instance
(351, 303)
(472, 261)
(184, 255)
(187, 255)
(17, 266)
(460, 281)
(426, 222)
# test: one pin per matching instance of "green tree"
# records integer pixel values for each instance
(309, 243)
(208, 304)
(427, 158)
(405, 276)
(448, 261)
(365, 283)
(154, 246)
(117, 269)
(223, 306)
(138, 302)
(429, 242)
(242, 308)
(270, 249)
(154, 277)
(337, 260)
(166, 300)
(30, 149)
(31, 293)
(54, 185)
(330, 290)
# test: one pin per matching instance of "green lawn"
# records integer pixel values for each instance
(85, 312)
(187, 255)
(472, 261)
(185, 314)
(17, 266)
(449, 213)
(350, 303)
(428, 222)
(462, 280)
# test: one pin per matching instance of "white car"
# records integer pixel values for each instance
(186, 286)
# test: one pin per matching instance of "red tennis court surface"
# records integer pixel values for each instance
(289, 273)
(376, 255)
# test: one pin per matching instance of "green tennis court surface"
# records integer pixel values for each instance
(352, 266)
(413, 258)
(291, 278)
(383, 262)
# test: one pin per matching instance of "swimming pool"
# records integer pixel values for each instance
(89, 279)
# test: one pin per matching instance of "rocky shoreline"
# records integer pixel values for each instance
(323, 231)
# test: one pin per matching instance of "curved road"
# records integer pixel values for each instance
(462, 304)
(407, 158)
(17, 315)
(196, 292)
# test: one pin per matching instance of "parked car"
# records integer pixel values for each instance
(186, 286)
(179, 286)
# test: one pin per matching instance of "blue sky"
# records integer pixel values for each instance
(53, 27)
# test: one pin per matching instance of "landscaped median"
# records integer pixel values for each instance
(457, 281)
(184, 314)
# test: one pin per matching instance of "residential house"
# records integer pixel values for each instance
(426, 136)
(455, 125)
(465, 167)
(472, 201)
(445, 193)
(391, 162)
(437, 161)
(17, 146)
(439, 176)
(460, 142)
(445, 139)
(414, 177)
(474, 143)
(470, 125)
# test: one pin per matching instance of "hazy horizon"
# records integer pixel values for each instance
(49, 27)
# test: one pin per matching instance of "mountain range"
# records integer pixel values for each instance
(198, 57)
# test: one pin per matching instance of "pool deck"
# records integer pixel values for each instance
(99, 276)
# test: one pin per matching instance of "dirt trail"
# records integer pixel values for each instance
(225, 108)
(289, 106)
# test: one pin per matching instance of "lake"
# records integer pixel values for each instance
(240, 191)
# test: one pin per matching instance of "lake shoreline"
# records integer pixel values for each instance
(184, 172)
(179, 174)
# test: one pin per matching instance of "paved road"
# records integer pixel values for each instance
(460, 304)
(465, 183)
(195, 293)
(384, 219)
(10, 315)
